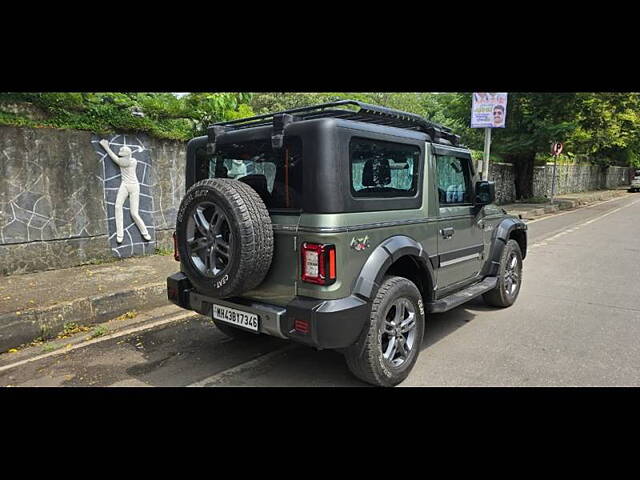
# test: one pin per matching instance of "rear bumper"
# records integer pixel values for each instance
(332, 323)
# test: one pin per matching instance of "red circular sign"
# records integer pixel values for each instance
(556, 148)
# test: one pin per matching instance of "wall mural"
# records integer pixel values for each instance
(127, 178)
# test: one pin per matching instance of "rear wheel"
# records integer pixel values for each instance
(509, 277)
(393, 336)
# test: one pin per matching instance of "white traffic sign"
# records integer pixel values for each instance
(556, 149)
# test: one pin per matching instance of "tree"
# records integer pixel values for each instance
(208, 108)
(534, 121)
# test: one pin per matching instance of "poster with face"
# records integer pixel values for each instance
(489, 110)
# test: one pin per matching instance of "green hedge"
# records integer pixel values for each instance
(162, 115)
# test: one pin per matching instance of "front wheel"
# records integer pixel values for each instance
(392, 337)
(509, 277)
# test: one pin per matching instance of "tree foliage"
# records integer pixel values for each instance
(163, 115)
(602, 128)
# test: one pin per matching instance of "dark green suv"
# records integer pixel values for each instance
(341, 226)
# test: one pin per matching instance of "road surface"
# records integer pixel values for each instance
(576, 322)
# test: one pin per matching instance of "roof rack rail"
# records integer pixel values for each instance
(366, 113)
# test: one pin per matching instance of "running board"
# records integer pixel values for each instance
(447, 303)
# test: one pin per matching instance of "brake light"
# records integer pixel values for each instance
(318, 263)
(176, 255)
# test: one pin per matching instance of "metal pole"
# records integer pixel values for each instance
(487, 148)
(553, 178)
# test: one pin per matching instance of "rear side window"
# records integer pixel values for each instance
(383, 169)
(454, 180)
(275, 174)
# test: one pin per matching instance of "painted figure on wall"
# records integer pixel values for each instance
(129, 188)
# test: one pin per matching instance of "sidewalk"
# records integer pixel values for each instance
(530, 211)
(40, 305)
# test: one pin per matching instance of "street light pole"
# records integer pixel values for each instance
(487, 148)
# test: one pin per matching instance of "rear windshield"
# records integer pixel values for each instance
(383, 169)
(275, 174)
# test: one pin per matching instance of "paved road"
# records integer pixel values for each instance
(576, 322)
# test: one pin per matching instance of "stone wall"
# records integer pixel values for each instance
(578, 178)
(503, 175)
(53, 208)
(569, 179)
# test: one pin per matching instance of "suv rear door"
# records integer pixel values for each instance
(460, 238)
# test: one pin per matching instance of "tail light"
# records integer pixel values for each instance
(318, 263)
(176, 255)
(301, 326)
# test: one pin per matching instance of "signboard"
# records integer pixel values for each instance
(488, 110)
(556, 149)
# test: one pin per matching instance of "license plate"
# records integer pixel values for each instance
(236, 317)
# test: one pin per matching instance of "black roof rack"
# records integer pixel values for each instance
(365, 113)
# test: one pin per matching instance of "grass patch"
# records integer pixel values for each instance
(99, 331)
(164, 251)
(71, 328)
(100, 261)
(50, 348)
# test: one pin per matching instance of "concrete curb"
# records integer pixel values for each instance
(567, 204)
(19, 328)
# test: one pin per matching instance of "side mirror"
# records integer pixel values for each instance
(485, 193)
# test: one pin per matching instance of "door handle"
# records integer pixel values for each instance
(447, 232)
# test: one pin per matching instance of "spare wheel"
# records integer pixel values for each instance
(224, 237)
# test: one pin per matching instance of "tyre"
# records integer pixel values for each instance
(224, 237)
(509, 277)
(392, 337)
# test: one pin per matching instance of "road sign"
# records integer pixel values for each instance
(556, 148)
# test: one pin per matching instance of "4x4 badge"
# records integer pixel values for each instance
(360, 244)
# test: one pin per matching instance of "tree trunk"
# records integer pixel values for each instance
(523, 172)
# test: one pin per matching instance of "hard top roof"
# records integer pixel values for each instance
(366, 113)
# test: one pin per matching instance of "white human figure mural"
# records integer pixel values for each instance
(129, 187)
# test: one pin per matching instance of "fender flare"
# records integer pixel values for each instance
(372, 273)
(382, 257)
(499, 239)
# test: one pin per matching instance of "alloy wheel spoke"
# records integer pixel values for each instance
(222, 252)
(197, 244)
(220, 242)
(409, 324)
(201, 223)
(399, 313)
(213, 262)
(508, 284)
(391, 349)
(220, 220)
(404, 349)
(212, 223)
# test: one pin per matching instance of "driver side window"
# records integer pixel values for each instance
(454, 180)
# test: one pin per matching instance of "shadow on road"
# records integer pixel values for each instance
(201, 351)
(439, 325)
